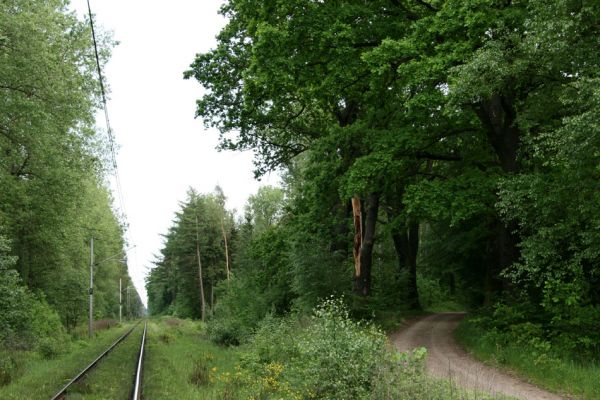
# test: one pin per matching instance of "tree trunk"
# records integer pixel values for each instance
(411, 263)
(406, 244)
(364, 240)
(498, 116)
(201, 283)
(357, 218)
(226, 252)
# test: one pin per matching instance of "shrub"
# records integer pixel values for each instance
(104, 324)
(337, 355)
(15, 304)
(401, 375)
(26, 320)
(574, 335)
(172, 321)
(10, 366)
(165, 338)
(238, 312)
(201, 373)
(330, 356)
(327, 356)
(431, 291)
(49, 335)
(50, 347)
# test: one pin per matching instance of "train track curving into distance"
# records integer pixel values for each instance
(136, 391)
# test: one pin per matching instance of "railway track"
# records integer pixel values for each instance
(136, 391)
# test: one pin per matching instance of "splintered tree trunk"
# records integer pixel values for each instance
(357, 217)
(202, 299)
(364, 241)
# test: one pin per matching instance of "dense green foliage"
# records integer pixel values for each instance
(26, 321)
(327, 355)
(53, 195)
(310, 358)
(521, 349)
(433, 153)
(462, 137)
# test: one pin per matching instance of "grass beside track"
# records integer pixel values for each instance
(41, 378)
(555, 374)
(178, 356)
(112, 379)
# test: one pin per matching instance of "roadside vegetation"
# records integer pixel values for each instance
(524, 349)
(324, 355)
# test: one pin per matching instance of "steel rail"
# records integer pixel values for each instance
(137, 385)
(61, 393)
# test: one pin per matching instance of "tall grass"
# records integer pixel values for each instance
(556, 372)
(40, 378)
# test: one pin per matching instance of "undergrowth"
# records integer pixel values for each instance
(527, 349)
(328, 356)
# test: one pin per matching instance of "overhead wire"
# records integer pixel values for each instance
(110, 135)
(108, 126)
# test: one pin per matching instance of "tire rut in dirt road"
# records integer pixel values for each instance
(445, 359)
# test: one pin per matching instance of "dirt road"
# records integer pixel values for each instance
(447, 360)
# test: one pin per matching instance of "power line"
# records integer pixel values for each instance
(108, 127)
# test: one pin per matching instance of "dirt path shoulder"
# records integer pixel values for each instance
(449, 361)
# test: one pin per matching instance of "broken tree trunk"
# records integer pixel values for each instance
(357, 216)
(364, 241)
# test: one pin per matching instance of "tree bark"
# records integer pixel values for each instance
(357, 218)
(406, 244)
(364, 259)
(411, 263)
(498, 116)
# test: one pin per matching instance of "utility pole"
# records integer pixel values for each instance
(91, 292)
(120, 302)
(91, 289)
(128, 302)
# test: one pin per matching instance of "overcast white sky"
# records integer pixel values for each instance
(163, 149)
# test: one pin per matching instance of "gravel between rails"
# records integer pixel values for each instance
(446, 359)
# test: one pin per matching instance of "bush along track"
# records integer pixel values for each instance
(324, 356)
